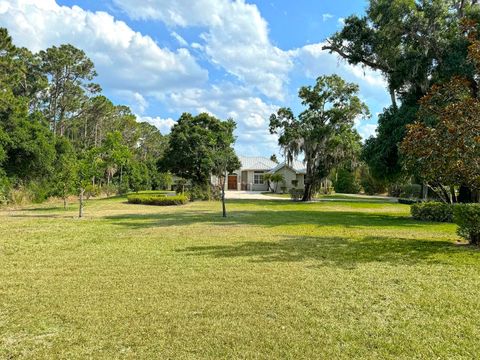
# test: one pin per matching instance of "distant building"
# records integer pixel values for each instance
(250, 176)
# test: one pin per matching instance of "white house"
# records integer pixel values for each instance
(251, 175)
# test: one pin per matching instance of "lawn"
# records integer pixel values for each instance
(276, 280)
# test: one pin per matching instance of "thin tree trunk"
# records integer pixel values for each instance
(224, 209)
(424, 191)
(80, 210)
(64, 202)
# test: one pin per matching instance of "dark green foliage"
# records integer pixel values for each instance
(414, 44)
(346, 182)
(407, 201)
(197, 147)
(370, 184)
(432, 211)
(157, 199)
(467, 217)
(59, 136)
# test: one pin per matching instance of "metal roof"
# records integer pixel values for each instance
(297, 166)
(256, 163)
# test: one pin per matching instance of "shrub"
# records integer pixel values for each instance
(407, 201)
(395, 190)
(432, 211)
(346, 182)
(467, 217)
(159, 199)
(20, 195)
(296, 194)
(92, 191)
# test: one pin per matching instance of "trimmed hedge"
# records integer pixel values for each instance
(432, 211)
(467, 217)
(158, 199)
(407, 201)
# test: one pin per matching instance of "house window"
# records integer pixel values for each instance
(258, 178)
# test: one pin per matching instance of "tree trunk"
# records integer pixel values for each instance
(307, 194)
(80, 210)
(393, 98)
(224, 209)
(424, 191)
(64, 202)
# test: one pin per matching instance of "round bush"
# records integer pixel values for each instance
(467, 217)
(432, 211)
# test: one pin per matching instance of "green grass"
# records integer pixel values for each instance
(275, 280)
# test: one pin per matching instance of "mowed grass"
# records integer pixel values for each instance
(275, 280)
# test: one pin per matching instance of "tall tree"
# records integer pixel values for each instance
(324, 132)
(413, 44)
(199, 147)
(70, 73)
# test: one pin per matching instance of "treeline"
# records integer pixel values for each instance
(428, 51)
(60, 136)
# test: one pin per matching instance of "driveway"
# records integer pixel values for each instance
(250, 195)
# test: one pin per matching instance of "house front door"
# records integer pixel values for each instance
(232, 182)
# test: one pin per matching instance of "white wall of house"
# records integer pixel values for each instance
(289, 175)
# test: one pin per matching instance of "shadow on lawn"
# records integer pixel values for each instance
(340, 252)
(270, 218)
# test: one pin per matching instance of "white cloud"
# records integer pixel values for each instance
(125, 60)
(227, 100)
(164, 125)
(179, 39)
(341, 21)
(366, 130)
(313, 62)
(326, 17)
(236, 37)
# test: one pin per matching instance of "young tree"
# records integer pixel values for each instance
(225, 162)
(65, 170)
(324, 132)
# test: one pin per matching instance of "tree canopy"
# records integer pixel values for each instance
(323, 133)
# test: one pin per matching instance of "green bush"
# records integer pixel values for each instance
(432, 211)
(296, 194)
(159, 199)
(467, 217)
(92, 191)
(407, 201)
(346, 182)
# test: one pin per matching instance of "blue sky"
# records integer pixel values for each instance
(239, 59)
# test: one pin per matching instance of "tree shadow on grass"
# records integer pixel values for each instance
(265, 218)
(341, 252)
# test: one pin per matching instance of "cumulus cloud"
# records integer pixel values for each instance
(312, 61)
(228, 100)
(164, 125)
(235, 37)
(125, 59)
